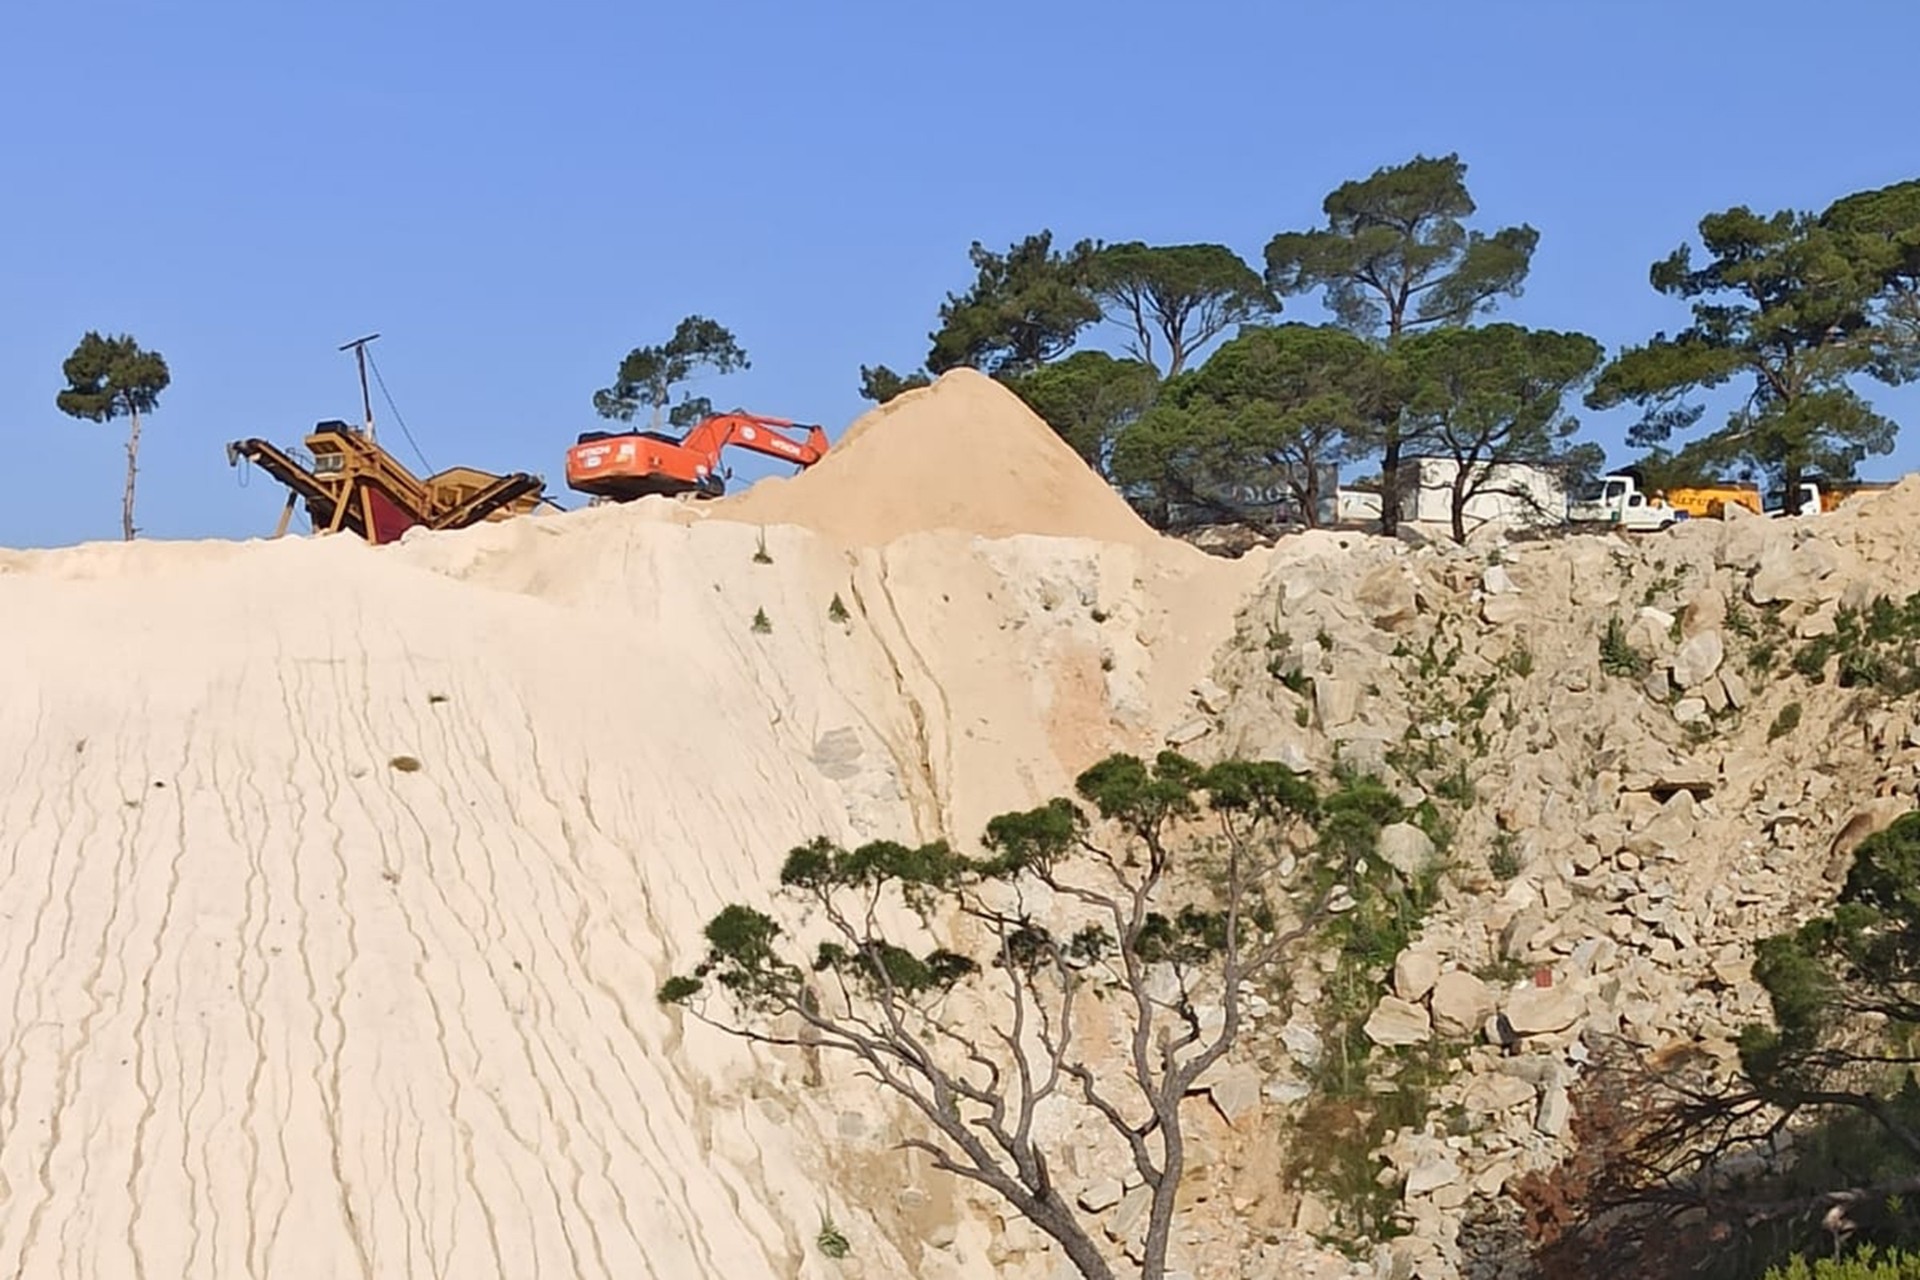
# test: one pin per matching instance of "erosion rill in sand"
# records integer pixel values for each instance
(339, 881)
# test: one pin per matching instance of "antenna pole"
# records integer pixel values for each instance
(359, 348)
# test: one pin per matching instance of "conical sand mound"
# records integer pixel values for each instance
(963, 454)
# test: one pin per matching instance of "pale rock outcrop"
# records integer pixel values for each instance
(1793, 574)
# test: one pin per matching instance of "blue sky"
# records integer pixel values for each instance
(515, 194)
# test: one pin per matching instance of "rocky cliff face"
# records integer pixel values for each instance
(1650, 754)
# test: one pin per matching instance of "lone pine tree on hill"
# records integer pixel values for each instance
(110, 378)
(648, 375)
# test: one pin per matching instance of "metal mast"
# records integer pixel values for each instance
(359, 348)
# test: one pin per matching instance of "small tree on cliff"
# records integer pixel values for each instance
(977, 1035)
(110, 378)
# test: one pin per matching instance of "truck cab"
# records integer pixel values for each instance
(1618, 500)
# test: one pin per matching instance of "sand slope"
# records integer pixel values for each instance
(281, 1008)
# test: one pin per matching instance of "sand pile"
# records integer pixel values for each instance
(964, 454)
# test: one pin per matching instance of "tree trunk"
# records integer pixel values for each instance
(1460, 503)
(1390, 482)
(1153, 1255)
(1176, 356)
(1791, 500)
(1052, 1216)
(126, 499)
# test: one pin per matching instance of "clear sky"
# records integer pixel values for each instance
(515, 194)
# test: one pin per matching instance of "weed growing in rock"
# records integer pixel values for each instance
(762, 624)
(831, 1241)
(837, 610)
(760, 555)
(1455, 787)
(1503, 862)
(1293, 678)
(404, 764)
(1784, 722)
(1618, 657)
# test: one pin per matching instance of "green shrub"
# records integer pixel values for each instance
(762, 624)
(837, 611)
(1867, 1264)
(1785, 722)
(1877, 647)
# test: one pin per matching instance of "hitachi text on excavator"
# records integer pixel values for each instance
(620, 466)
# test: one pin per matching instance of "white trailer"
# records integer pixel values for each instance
(1512, 494)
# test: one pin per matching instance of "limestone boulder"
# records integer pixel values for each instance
(1398, 1022)
(1503, 610)
(1414, 973)
(1793, 574)
(1461, 1003)
(1670, 830)
(1387, 598)
(1406, 848)
(1538, 1011)
(1491, 1094)
(1336, 701)
(1236, 1091)
(1698, 659)
(1431, 1174)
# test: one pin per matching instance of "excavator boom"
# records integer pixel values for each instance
(623, 466)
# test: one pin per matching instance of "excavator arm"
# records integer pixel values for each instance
(768, 436)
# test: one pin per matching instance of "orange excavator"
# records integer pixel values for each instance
(624, 465)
